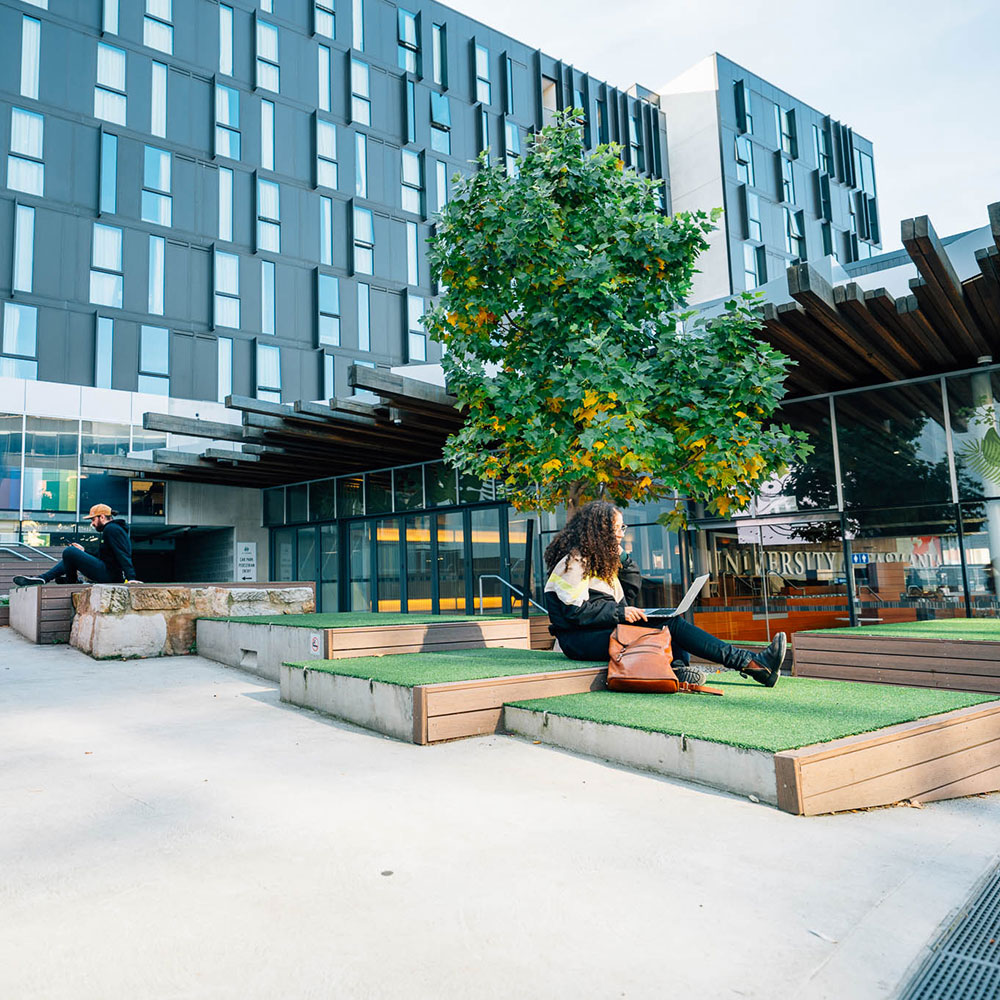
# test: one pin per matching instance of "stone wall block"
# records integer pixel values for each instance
(129, 636)
(180, 634)
(301, 597)
(160, 598)
(81, 633)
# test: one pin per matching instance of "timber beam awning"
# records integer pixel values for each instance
(277, 443)
(845, 336)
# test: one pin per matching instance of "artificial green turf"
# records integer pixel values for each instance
(354, 619)
(942, 628)
(797, 712)
(411, 669)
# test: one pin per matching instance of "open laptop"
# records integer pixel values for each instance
(686, 601)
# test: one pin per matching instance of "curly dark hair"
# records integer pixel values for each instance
(591, 534)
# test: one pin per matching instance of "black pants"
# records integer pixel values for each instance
(685, 639)
(75, 561)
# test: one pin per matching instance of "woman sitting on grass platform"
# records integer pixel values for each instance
(586, 603)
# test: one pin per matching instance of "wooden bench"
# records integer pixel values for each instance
(44, 613)
(952, 664)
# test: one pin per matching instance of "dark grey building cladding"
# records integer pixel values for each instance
(524, 87)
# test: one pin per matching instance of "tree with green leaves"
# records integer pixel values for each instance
(562, 317)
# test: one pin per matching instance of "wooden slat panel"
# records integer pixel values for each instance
(453, 727)
(869, 675)
(429, 646)
(973, 784)
(388, 636)
(789, 785)
(495, 691)
(959, 649)
(893, 661)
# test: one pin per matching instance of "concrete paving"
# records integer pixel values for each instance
(169, 829)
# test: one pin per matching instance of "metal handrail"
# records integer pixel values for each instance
(509, 586)
(31, 548)
(6, 548)
(864, 586)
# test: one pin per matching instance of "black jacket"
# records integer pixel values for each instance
(116, 549)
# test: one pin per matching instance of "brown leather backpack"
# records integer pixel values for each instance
(640, 661)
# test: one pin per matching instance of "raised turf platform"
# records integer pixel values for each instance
(961, 654)
(262, 643)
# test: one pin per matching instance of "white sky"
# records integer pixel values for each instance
(917, 78)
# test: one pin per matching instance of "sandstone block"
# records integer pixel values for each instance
(108, 598)
(129, 636)
(81, 633)
(180, 634)
(159, 598)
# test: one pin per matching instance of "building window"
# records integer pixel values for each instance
(109, 17)
(412, 187)
(225, 368)
(364, 241)
(326, 154)
(412, 254)
(484, 90)
(20, 346)
(104, 342)
(267, 135)
(106, 276)
(416, 338)
(323, 73)
(25, 169)
(225, 40)
(795, 239)
(227, 122)
(821, 149)
(326, 230)
(744, 160)
(157, 31)
(439, 54)
(329, 383)
(158, 100)
(110, 102)
(24, 248)
(744, 107)
(411, 111)
(512, 147)
(829, 246)
(227, 290)
(268, 73)
(364, 317)
(358, 24)
(328, 288)
(508, 90)
(866, 173)
(635, 139)
(267, 296)
(361, 105)
(407, 41)
(754, 230)
(550, 99)
(31, 43)
(483, 132)
(268, 373)
(360, 165)
(324, 18)
(154, 360)
(754, 266)
(226, 204)
(825, 198)
(441, 169)
(268, 216)
(787, 180)
(440, 123)
(267, 6)
(157, 204)
(602, 122)
(157, 269)
(784, 125)
(108, 199)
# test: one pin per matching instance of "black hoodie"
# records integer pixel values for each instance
(116, 549)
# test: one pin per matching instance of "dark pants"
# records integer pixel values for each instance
(77, 561)
(685, 639)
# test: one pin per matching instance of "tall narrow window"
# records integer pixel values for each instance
(227, 122)
(110, 102)
(784, 124)
(754, 231)
(416, 338)
(484, 131)
(407, 41)
(795, 239)
(25, 169)
(440, 124)
(157, 30)
(268, 216)
(364, 317)
(31, 42)
(364, 241)
(157, 269)
(157, 204)
(412, 266)
(109, 173)
(106, 276)
(268, 373)
(267, 135)
(103, 351)
(329, 383)
(268, 73)
(227, 290)
(754, 274)
(441, 169)
(20, 341)
(267, 296)
(225, 369)
(602, 122)
(329, 310)
(24, 248)
(744, 160)
(412, 182)
(323, 75)
(512, 147)
(158, 100)
(744, 107)
(325, 230)
(787, 181)
(411, 111)
(358, 24)
(635, 139)
(361, 164)
(109, 17)
(508, 89)
(225, 40)
(226, 204)
(326, 154)
(439, 54)
(361, 105)
(267, 6)
(154, 360)
(484, 90)
(324, 18)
